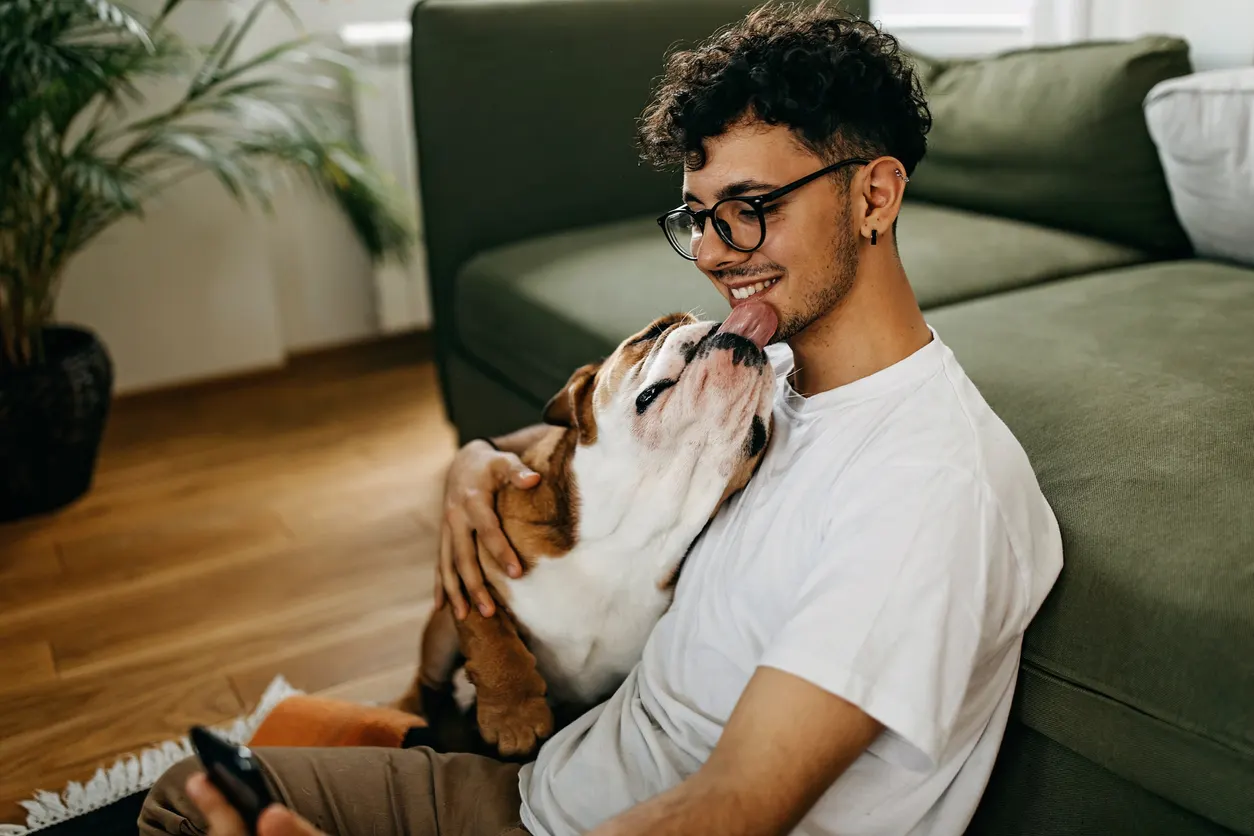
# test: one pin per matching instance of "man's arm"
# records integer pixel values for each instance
(785, 743)
(470, 531)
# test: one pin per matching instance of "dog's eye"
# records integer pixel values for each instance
(649, 395)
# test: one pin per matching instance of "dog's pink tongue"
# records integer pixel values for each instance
(754, 320)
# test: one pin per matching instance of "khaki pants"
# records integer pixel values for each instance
(364, 792)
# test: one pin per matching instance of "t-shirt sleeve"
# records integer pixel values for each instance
(891, 615)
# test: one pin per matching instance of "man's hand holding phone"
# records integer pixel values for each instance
(233, 794)
(223, 820)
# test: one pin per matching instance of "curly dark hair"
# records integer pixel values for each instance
(843, 87)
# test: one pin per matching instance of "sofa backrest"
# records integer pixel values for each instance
(1056, 136)
(525, 113)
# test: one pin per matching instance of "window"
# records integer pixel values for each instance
(979, 27)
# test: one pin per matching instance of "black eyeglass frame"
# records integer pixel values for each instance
(758, 202)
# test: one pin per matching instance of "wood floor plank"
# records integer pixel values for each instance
(220, 597)
(316, 666)
(74, 745)
(237, 467)
(222, 485)
(281, 524)
(357, 503)
(91, 691)
(378, 688)
(29, 661)
(24, 555)
(143, 550)
(192, 536)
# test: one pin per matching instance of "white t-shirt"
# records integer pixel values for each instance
(891, 549)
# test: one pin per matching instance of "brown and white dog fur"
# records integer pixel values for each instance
(642, 451)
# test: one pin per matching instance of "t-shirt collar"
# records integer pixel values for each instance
(919, 365)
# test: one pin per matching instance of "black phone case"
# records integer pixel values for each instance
(235, 772)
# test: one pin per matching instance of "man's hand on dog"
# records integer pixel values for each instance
(470, 533)
(224, 821)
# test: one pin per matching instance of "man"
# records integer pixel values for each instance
(843, 644)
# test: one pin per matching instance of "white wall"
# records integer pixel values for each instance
(187, 291)
(328, 291)
(202, 288)
(957, 27)
(1221, 32)
(329, 15)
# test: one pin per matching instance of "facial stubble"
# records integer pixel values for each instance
(826, 296)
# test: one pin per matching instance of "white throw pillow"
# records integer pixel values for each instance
(1203, 125)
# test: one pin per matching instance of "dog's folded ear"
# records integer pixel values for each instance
(572, 407)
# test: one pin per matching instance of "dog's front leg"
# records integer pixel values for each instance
(440, 656)
(513, 713)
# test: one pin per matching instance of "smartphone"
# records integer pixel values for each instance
(235, 771)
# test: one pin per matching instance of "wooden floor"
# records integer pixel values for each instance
(282, 524)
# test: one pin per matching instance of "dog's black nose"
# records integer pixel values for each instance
(743, 349)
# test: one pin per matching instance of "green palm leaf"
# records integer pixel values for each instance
(72, 164)
(116, 18)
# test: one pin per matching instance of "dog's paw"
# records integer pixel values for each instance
(514, 727)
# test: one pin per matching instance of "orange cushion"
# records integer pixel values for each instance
(303, 720)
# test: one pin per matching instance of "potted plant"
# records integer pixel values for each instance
(76, 157)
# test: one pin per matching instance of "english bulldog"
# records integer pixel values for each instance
(642, 450)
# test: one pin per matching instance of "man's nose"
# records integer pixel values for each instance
(713, 253)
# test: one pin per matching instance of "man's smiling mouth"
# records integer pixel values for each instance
(748, 290)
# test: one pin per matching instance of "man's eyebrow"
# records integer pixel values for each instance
(733, 190)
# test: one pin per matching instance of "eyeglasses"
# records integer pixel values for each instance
(739, 221)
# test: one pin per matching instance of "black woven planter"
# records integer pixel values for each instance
(51, 420)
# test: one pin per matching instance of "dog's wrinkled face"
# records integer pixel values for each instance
(670, 425)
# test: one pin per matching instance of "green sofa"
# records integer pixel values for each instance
(1041, 240)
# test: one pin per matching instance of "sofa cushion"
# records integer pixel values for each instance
(535, 311)
(1203, 125)
(1132, 392)
(1057, 136)
(952, 254)
(1041, 788)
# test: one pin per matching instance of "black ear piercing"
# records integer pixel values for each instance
(874, 235)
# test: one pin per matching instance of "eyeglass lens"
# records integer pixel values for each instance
(737, 223)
